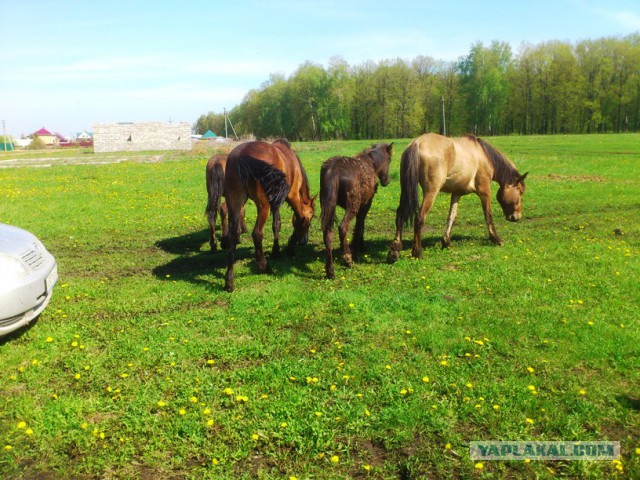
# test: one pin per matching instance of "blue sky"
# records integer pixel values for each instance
(68, 64)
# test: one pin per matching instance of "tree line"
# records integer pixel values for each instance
(549, 88)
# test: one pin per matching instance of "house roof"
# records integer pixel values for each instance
(43, 131)
(209, 134)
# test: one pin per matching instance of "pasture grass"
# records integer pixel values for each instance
(143, 367)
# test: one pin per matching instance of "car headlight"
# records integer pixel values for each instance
(11, 269)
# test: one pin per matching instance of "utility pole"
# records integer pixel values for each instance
(226, 134)
(4, 136)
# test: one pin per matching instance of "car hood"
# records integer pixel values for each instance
(14, 241)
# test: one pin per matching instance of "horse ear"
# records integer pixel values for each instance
(390, 147)
(522, 177)
(313, 199)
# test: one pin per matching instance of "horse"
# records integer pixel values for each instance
(351, 183)
(457, 166)
(269, 174)
(215, 190)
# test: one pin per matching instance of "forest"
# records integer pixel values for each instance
(555, 87)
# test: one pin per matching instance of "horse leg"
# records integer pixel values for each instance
(453, 212)
(233, 237)
(211, 217)
(485, 199)
(258, 233)
(243, 224)
(224, 226)
(396, 245)
(357, 244)
(275, 214)
(343, 230)
(427, 202)
(327, 236)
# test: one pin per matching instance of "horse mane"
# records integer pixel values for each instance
(504, 172)
(375, 152)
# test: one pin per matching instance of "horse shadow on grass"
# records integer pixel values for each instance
(195, 263)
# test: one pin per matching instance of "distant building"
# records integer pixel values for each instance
(209, 134)
(84, 136)
(130, 137)
(46, 137)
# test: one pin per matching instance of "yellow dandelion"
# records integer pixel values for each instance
(49, 339)
(22, 425)
(529, 421)
(447, 446)
(403, 391)
(74, 344)
(209, 422)
(530, 369)
(255, 436)
(333, 388)
(206, 411)
(351, 305)
(469, 385)
(215, 461)
(228, 391)
(425, 379)
(335, 459)
(479, 466)
(193, 399)
(444, 363)
(496, 407)
(210, 362)
(318, 414)
(102, 435)
(283, 425)
(84, 425)
(28, 431)
(124, 375)
(77, 376)
(8, 448)
(637, 451)
(161, 404)
(531, 387)
(582, 391)
(366, 467)
(182, 411)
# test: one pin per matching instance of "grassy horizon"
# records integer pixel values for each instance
(143, 367)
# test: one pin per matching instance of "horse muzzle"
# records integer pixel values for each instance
(514, 217)
(304, 240)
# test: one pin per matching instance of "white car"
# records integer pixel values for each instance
(28, 273)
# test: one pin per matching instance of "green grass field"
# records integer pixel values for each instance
(143, 367)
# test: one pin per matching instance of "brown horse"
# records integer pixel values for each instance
(457, 166)
(352, 184)
(268, 174)
(215, 190)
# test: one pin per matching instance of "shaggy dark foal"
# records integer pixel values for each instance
(351, 183)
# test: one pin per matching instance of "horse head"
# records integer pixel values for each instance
(301, 221)
(381, 155)
(510, 198)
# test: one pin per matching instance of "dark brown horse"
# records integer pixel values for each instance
(351, 183)
(268, 174)
(457, 166)
(215, 190)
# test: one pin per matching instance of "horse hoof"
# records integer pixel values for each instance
(331, 275)
(446, 243)
(415, 253)
(497, 241)
(347, 260)
(393, 256)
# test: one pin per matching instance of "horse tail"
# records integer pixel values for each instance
(273, 180)
(408, 185)
(328, 197)
(215, 187)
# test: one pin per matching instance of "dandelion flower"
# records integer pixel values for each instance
(335, 459)
(182, 411)
(582, 391)
(318, 414)
(8, 448)
(283, 425)
(255, 436)
(403, 391)
(228, 391)
(49, 339)
(206, 411)
(529, 421)
(479, 466)
(161, 404)
(496, 407)
(469, 385)
(28, 431)
(425, 379)
(193, 400)
(447, 446)
(531, 387)
(215, 461)
(444, 363)
(367, 467)
(209, 422)
(530, 369)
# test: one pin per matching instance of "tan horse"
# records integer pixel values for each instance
(269, 174)
(214, 173)
(457, 166)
